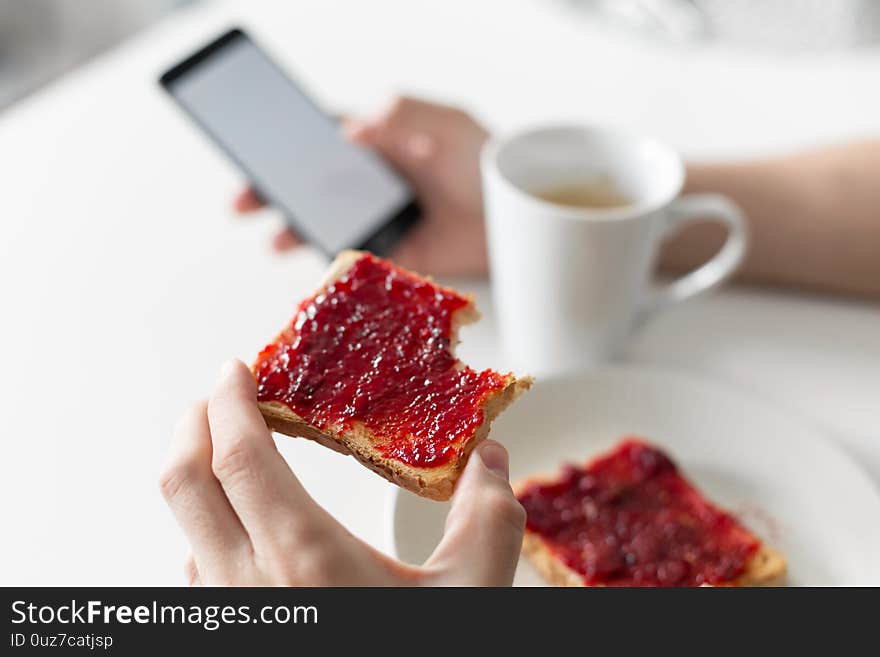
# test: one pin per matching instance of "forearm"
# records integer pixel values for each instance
(814, 219)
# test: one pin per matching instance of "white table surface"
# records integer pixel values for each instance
(126, 282)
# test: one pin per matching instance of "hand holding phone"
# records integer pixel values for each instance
(333, 193)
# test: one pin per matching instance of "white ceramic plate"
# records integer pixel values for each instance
(786, 482)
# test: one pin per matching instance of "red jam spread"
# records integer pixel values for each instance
(374, 348)
(630, 519)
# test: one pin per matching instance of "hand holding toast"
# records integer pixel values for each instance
(250, 521)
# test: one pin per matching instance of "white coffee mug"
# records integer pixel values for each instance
(570, 284)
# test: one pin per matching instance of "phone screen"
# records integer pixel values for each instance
(334, 193)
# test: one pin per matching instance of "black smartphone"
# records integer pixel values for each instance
(333, 193)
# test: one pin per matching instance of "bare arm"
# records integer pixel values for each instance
(814, 216)
(814, 219)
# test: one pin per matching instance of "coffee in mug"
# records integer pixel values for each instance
(575, 216)
(597, 192)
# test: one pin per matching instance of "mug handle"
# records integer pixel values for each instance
(701, 207)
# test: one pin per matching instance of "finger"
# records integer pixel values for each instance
(191, 571)
(398, 133)
(412, 155)
(247, 201)
(266, 495)
(484, 528)
(197, 499)
(285, 240)
(360, 131)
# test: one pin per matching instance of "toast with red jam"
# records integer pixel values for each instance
(629, 518)
(366, 367)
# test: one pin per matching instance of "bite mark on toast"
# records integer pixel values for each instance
(357, 440)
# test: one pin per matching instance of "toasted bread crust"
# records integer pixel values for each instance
(435, 483)
(767, 567)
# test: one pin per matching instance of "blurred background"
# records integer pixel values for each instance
(42, 39)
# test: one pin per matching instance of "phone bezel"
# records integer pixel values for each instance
(379, 242)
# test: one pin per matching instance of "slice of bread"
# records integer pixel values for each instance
(766, 567)
(360, 442)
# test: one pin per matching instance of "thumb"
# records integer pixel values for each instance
(411, 151)
(484, 528)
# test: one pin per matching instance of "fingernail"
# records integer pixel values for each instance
(494, 457)
(227, 368)
(353, 129)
